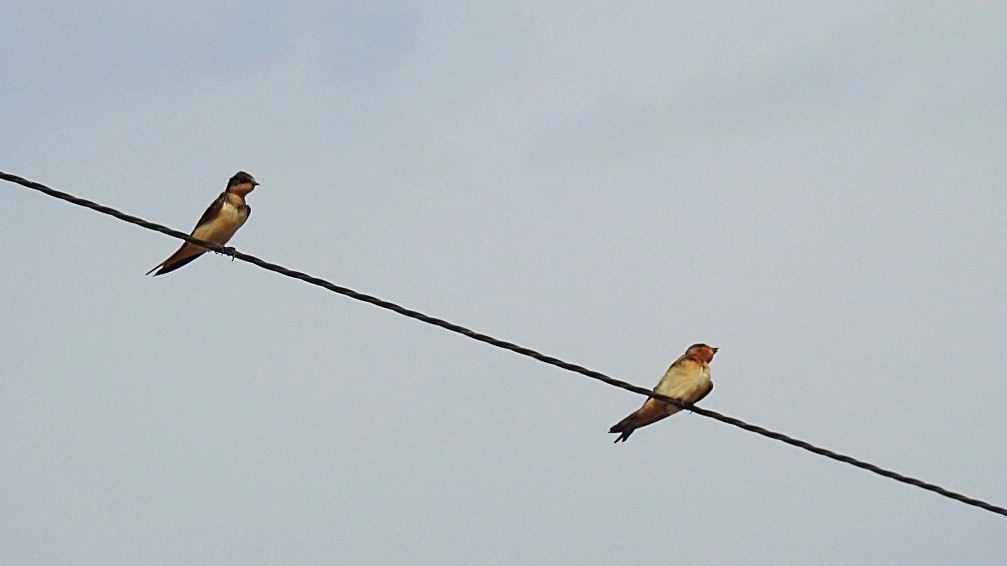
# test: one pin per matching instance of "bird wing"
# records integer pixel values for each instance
(211, 212)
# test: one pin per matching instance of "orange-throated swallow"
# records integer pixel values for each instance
(688, 380)
(217, 224)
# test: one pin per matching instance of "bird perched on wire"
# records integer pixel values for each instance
(217, 225)
(688, 380)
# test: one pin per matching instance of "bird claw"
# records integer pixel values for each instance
(226, 250)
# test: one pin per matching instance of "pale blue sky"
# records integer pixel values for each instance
(817, 188)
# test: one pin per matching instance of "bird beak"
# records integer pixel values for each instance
(714, 350)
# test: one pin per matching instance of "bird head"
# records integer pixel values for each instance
(701, 352)
(241, 183)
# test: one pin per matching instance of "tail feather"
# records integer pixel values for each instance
(651, 412)
(625, 427)
(186, 254)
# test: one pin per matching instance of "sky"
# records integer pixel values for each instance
(814, 187)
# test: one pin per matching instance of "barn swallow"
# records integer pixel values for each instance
(688, 380)
(218, 223)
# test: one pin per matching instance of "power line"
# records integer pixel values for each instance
(505, 345)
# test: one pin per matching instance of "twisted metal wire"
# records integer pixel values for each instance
(516, 348)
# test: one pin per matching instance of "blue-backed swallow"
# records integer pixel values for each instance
(688, 380)
(217, 225)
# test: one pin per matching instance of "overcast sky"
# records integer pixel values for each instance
(815, 187)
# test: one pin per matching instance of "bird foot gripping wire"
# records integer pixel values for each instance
(228, 251)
